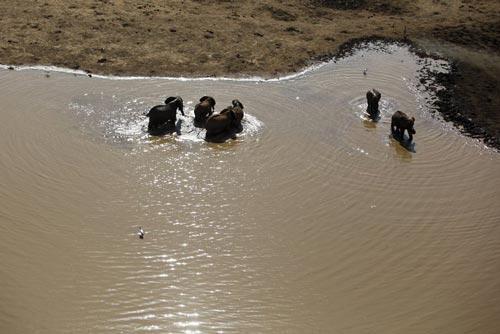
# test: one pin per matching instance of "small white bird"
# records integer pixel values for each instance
(141, 233)
(364, 71)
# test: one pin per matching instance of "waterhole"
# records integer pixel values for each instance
(314, 219)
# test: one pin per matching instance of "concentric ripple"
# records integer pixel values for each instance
(314, 220)
(121, 121)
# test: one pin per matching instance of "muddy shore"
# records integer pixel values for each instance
(268, 38)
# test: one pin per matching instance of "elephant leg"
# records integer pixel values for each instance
(397, 132)
(153, 124)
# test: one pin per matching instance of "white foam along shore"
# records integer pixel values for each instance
(48, 68)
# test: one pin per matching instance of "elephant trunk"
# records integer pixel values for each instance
(180, 104)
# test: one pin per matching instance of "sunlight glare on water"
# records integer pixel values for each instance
(313, 220)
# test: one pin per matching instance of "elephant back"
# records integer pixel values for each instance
(156, 110)
(219, 123)
(399, 117)
(202, 110)
(402, 120)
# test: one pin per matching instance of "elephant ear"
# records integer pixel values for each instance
(237, 103)
(369, 95)
(233, 115)
(170, 99)
(413, 120)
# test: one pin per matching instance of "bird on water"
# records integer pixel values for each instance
(141, 233)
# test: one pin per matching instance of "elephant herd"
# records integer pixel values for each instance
(400, 122)
(219, 127)
(227, 123)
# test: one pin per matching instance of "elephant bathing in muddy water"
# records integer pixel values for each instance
(401, 122)
(237, 108)
(373, 97)
(203, 110)
(165, 115)
(225, 124)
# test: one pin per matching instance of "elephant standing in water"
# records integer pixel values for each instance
(373, 97)
(165, 115)
(401, 122)
(237, 108)
(225, 124)
(203, 110)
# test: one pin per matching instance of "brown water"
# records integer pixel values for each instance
(314, 220)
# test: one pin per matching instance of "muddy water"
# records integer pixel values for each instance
(313, 220)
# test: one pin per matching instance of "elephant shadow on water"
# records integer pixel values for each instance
(404, 142)
(369, 124)
(400, 151)
(224, 136)
(227, 134)
(167, 129)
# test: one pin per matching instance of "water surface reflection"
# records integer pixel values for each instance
(313, 219)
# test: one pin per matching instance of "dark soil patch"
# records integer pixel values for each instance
(486, 36)
(280, 14)
(471, 101)
(380, 6)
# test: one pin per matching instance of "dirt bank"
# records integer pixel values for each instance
(209, 37)
(239, 38)
(471, 101)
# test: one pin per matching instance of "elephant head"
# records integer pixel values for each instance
(401, 122)
(238, 113)
(203, 110)
(176, 101)
(165, 115)
(237, 103)
(373, 98)
(238, 109)
(209, 101)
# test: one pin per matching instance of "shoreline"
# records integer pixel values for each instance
(220, 37)
(270, 40)
(450, 101)
(57, 69)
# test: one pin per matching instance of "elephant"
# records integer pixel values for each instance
(203, 110)
(373, 97)
(237, 108)
(225, 124)
(401, 122)
(166, 114)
